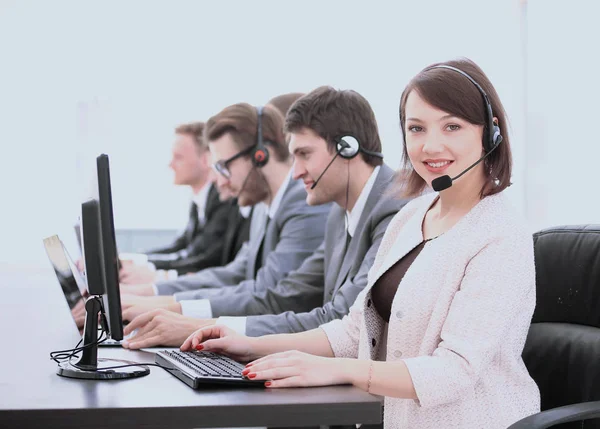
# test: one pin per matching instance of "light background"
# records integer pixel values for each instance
(78, 78)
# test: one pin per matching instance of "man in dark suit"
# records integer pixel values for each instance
(201, 244)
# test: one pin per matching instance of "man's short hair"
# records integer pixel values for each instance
(196, 131)
(332, 113)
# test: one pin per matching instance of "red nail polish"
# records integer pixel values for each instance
(252, 375)
(199, 347)
(246, 371)
(267, 384)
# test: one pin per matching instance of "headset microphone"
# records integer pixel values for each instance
(343, 145)
(347, 147)
(444, 182)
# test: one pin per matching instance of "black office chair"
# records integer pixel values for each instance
(562, 352)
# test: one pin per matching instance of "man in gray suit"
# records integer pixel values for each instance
(253, 163)
(336, 145)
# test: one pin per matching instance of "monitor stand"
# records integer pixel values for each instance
(89, 366)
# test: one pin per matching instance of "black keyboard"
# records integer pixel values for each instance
(196, 368)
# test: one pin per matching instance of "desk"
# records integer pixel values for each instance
(34, 319)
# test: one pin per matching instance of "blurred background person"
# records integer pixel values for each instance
(201, 243)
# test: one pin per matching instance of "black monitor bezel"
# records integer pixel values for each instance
(109, 249)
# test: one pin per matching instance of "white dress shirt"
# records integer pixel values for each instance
(245, 211)
(201, 198)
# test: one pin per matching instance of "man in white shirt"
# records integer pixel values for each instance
(336, 145)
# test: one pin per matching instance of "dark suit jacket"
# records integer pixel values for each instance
(198, 247)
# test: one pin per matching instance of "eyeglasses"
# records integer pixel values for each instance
(222, 166)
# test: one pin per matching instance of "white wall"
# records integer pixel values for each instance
(563, 100)
(78, 79)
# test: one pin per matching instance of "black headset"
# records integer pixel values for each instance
(260, 154)
(493, 138)
(348, 147)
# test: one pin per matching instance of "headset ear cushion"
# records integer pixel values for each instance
(348, 147)
(260, 157)
(496, 136)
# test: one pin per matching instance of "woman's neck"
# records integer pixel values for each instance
(452, 204)
(459, 199)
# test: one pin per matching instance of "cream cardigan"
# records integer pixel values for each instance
(459, 319)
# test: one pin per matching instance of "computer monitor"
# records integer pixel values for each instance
(71, 282)
(109, 249)
(100, 257)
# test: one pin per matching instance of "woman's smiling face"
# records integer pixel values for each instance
(439, 143)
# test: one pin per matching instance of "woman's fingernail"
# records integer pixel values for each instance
(246, 371)
(252, 375)
(248, 365)
(268, 384)
(199, 347)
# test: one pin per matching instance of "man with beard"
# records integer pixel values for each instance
(253, 162)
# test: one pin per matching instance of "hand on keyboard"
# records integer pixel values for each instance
(223, 340)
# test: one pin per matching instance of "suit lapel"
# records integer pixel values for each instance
(212, 202)
(381, 182)
(338, 253)
(407, 237)
(234, 221)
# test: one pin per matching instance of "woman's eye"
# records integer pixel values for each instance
(415, 129)
(453, 127)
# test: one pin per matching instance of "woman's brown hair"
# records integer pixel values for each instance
(455, 94)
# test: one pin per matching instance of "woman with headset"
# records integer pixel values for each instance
(440, 328)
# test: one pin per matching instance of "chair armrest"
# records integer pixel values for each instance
(568, 413)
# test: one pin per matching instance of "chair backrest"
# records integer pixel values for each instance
(562, 352)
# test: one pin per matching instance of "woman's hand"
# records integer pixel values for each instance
(297, 369)
(222, 340)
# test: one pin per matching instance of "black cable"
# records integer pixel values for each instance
(268, 188)
(126, 366)
(60, 356)
(63, 355)
(347, 193)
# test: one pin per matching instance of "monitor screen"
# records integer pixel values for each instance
(71, 282)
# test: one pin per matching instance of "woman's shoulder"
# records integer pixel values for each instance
(496, 217)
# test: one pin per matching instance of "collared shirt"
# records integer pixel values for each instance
(201, 198)
(272, 209)
(245, 211)
(353, 216)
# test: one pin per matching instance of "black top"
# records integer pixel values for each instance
(385, 288)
